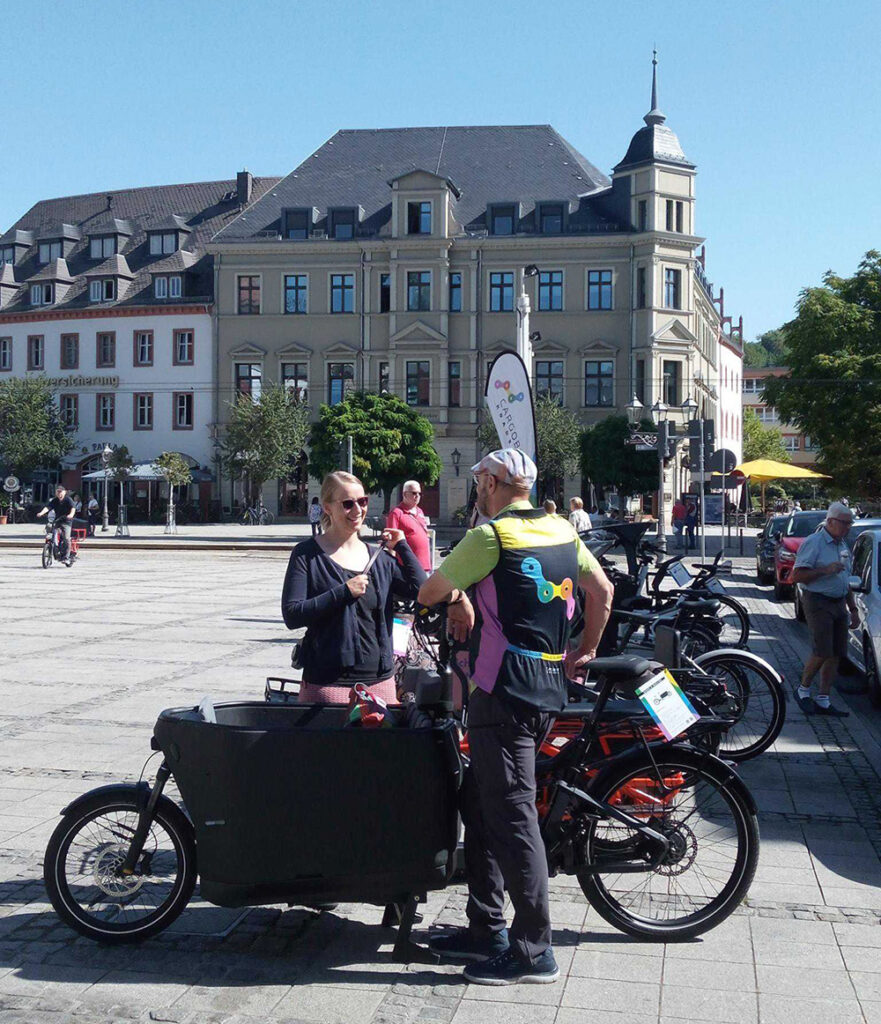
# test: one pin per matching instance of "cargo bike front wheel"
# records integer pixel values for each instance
(84, 867)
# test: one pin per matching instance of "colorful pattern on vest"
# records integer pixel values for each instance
(531, 591)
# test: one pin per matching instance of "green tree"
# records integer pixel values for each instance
(31, 433)
(120, 465)
(833, 390)
(769, 349)
(609, 462)
(761, 442)
(177, 474)
(558, 440)
(264, 438)
(391, 442)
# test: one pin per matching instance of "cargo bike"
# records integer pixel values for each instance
(282, 803)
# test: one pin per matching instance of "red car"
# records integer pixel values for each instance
(798, 526)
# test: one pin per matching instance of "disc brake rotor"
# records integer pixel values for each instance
(107, 872)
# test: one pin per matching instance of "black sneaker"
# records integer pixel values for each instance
(805, 703)
(827, 709)
(462, 944)
(508, 969)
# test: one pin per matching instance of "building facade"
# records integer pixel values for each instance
(110, 295)
(392, 260)
(802, 450)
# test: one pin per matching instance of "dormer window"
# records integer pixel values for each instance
(418, 218)
(7, 254)
(168, 287)
(551, 218)
(41, 294)
(102, 290)
(163, 242)
(342, 223)
(53, 250)
(102, 247)
(296, 223)
(501, 220)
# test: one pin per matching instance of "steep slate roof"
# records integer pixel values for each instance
(496, 164)
(203, 206)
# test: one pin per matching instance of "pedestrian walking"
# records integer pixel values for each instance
(822, 567)
(92, 513)
(677, 517)
(690, 524)
(519, 642)
(550, 506)
(344, 601)
(409, 517)
(579, 519)
(315, 516)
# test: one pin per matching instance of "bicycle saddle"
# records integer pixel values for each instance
(709, 605)
(619, 669)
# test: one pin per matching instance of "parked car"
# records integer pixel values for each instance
(765, 545)
(859, 527)
(797, 527)
(864, 646)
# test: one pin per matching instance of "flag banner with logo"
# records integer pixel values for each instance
(509, 399)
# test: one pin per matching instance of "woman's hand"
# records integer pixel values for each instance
(358, 585)
(391, 538)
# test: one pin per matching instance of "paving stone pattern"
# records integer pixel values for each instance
(88, 657)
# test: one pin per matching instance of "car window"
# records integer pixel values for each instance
(804, 524)
(862, 553)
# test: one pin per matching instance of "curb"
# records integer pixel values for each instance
(141, 545)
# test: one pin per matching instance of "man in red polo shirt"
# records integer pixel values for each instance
(410, 518)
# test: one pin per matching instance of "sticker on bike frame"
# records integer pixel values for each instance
(402, 627)
(680, 574)
(716, 586)
(671, 710)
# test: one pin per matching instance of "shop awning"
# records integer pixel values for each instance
(148, 471)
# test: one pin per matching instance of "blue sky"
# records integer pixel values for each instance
(776, 103)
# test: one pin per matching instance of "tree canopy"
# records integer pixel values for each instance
(32, 435)
(174, 468)
(609, 462)
(769, 349)
(761, 442)
(264, 438)
(833, 390)
(391, 442)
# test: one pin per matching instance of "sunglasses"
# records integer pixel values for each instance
(349, 503)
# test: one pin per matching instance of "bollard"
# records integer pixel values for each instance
(740, 531)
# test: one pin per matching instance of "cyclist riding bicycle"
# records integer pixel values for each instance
(63, 507)
(525, 566)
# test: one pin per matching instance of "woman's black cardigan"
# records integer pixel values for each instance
(315, 595)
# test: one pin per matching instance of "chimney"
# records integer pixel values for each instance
(109, 202)
(244, 184)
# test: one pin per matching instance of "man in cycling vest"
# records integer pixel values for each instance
(524, 566)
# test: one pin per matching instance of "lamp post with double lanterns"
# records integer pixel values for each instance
(105, 459)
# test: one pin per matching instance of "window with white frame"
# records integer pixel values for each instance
(7, 254)
(174, 286)
(183, 342)
(102, 247)
(102, 290)
(162, 243)
(672, 288)
(106, 412)
(144, 411)
(36, 352)
(94, 291)
(419, 218)
(41, 294)
(105, 354)
(295, 379)
(183, 410)
(160, 287)
(249, 379)
(70, 411)
(70, 352)
(143, 348)
(791, 443)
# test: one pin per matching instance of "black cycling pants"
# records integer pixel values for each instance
(503, 845)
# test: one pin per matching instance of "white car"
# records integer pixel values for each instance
(864, 642)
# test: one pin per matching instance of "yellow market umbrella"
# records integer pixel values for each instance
(763, 470)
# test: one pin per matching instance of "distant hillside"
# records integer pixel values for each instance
(769, 349)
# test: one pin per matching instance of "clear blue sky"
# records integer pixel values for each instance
(777, 103)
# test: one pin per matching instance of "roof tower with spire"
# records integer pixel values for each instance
(656, 143)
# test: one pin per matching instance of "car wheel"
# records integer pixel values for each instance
(873, 681)
(781, 591)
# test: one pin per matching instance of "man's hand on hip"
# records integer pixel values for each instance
(575, 665)
(460, 619)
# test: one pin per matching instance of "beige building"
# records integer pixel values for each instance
(802, 450)
(392, 259)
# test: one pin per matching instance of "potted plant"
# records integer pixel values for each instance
(5, 505)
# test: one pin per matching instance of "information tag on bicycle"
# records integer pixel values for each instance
(680, 574)
(667, 704)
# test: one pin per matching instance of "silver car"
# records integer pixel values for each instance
(864, 645)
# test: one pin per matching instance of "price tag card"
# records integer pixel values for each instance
(402, 627)
(667, 704)
(716, 586)
(681, 575)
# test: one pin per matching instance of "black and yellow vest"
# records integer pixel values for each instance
(524, 610)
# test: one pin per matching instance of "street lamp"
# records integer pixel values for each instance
(634, 411)
(689, 406)
(455, 456)
(659, 412)
(522, 309)
(105, 458)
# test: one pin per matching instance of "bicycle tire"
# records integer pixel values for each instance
(761, 729)
(698, 639)
(735, 632)
(721, 791)
(267, 519)
(125, 800)
(47, 555)
(245, 519)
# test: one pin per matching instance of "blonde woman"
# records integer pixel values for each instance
(346, 605)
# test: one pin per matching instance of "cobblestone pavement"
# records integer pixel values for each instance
(88, 657)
